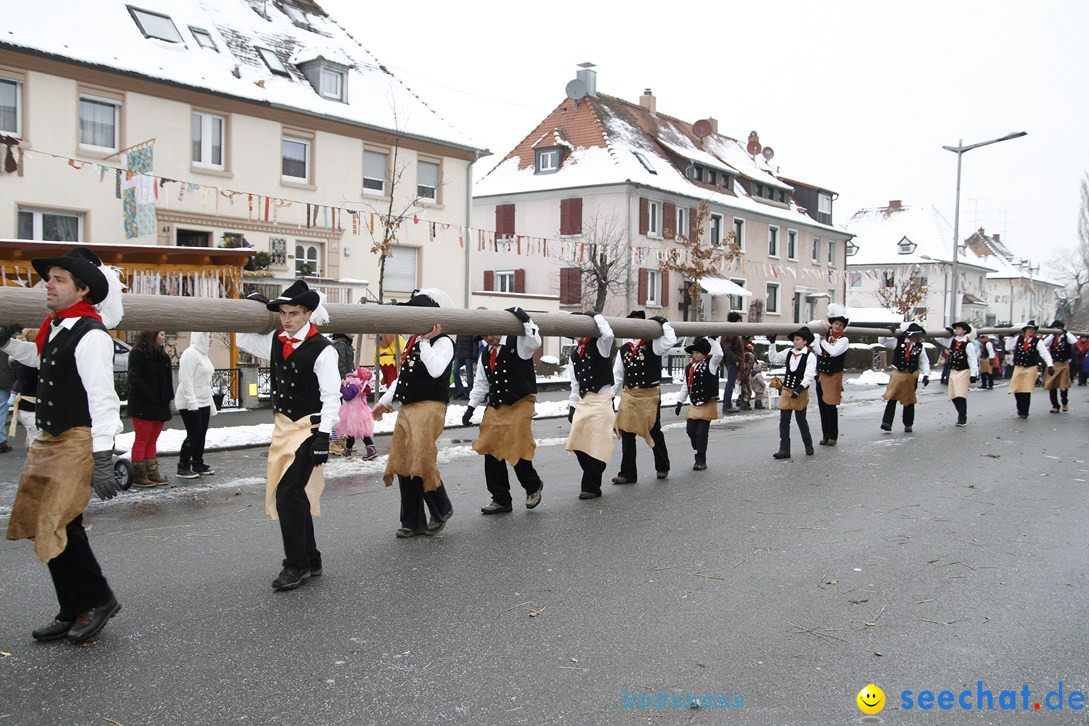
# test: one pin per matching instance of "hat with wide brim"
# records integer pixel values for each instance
(837, 312)
(700, 345)
(421, 300)
(299, 293)
(82, 263)
(914, 329)
(1058, 324)
(804, 333)
(1030, 324)
(638, 314)
(962, 324)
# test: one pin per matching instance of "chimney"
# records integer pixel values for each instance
(714, 124)
(997, 237)
(894, 205)
(648, 101)
(589, 77)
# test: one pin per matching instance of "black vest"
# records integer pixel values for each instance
(62, 399)
(1022, 357)
(958, 355)
(513, 378)
(830, 363)
(1060, 348)
(415, 384)
(593, 371)
(642, 368)
(910, 363)
(793, 378)
(702, 383)
(295, 391)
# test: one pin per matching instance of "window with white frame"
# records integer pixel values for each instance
(792, 244)
(548, 161)
(427, 180)
(816, 250)
(401, 268)
(831, 252)
(716, 229)
(504, 281)
(295, 159)
(11, 107)
(99, 123)
(50, 225)
(824, 204)
(831, 296)
(308, 259)
(771, 301)
(654, 219)
(333, 83)
(208, 138)
(773, 241)
(737, 302)
(682, 221)
(739, 233)
(155, 25)
(203, 38)
(854, 279)
(654, 288)
(272, 61)
(374, 171)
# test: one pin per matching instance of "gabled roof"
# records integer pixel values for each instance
(606, 134)
(879, 232)
(1007, 265)
(103, 34)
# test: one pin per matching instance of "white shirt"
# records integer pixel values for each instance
(94, 362)
(1045, 354)
(605, 347)
(969, 350)
(1070, 338)
(325, 369)
(435, 356)
(793, 358)
(525, 345)
(659, 345)
(712, 367)
(839, 347)
(924, 359)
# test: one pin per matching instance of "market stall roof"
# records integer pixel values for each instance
(717, 286)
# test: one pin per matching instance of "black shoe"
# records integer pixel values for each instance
(886, 427)
(699, 466)
(405, 532)
(589, 495)
(315, 571)
(781, 455)
(621, 479)
(809, 449)
(907, 429)
(290, 578)
(494, 507)
(532, 500)
(56, 630)
(662, 474)
(4, 448)
(731, 409)
(202, 469)
(185, 472)
(91, 622)
(962, 422)
(1022, 415)
(435, 526)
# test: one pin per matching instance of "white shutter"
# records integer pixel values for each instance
(401, 270)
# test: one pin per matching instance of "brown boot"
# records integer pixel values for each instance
(139, 475)
(153, 472)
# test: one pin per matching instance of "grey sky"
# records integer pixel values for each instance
(856, 96)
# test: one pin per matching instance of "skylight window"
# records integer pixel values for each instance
(154, 25)
(203, 38)
(643, 160)
(273, 62)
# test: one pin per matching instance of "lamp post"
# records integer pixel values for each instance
(959, 150)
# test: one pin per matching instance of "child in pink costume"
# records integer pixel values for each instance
(355, 413)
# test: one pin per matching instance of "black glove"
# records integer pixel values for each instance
(771, 340)
(519, 313)
(103, 480)
(319, 448)
(8, 332)
(973, 379)
(926, 381)
(570, 414)
(894, 329)
(467, 415)
(257, 297)
(1051, 370)
(677, 409)
(795, 393)
(949, 330)
(659, 319)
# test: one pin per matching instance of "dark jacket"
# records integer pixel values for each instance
(465, 346)
(345, 356)
(7, 373)
(151, 386)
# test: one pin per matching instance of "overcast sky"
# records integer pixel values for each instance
(858, 97)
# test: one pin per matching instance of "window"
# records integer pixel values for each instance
(504, 281)
(570, 286)
(548, 161)
(571, 216)
(654, 219)
(831, 252)
(831, 296)
(374, 171)
(792, 244)
(193, 238)
(333, 83)
(737, 302)
(888, 279)
(773, 241)
(709, 176)
(716, 229)
(654, 288)
(308, 259)
(203, 38)
(739, 233)
(11, 107)
(643, 160)
(771, 302)
(854, 279)
(824, 204)
(906, 246)
(272, 61)
(99, 127)
(683, 221)
(50, 225)
(208, 140)
(816, 250)
(504, 221)
(427, 180)
(401, 269)
(154, 25)
(295, 160)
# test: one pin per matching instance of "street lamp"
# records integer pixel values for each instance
(959, 150)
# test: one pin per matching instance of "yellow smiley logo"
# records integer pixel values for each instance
(871, 699)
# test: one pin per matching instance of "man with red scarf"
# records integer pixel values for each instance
(590, 410)
(831, 350)
(1028, 352)
(78, 413)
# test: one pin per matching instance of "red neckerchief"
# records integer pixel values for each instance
(582, 346)
(82, 309)
(958, 345)
(634, 348)
(907, 348)
(495, 352)
(831, 338)
(691, 372)
(289, 348)
(1028, 342)
(408, 349)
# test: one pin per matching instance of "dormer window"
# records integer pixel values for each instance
(906, 246)
(548, 161)
(273, 62)
(155, 25)
(332, 84)
(329, 79)
(203, 38)
(643, 160)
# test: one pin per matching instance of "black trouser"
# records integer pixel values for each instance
(413, 499)
(961, 404)
(1082, 376)
(349, 442)
(77, 577)
(293, 509)
(495, 474)
(1023, 401)
(698, 429)
(1054, 393)
(986, 380)
(784, 429)
(628, 467)
(196, 429)
(592, 471)
(829, 416)
(890, 413)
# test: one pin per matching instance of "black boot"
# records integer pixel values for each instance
(890, 413)
(784, 436)
(701, 462)
(962, 411)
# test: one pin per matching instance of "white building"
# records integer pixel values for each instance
(1016, 290)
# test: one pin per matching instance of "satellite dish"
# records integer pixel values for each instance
(702, 128)
(768, 152)
(754, 144)
(576, 89)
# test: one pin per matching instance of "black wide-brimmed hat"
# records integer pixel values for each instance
(82, 263)
(421, 300)
(1058, 324)
(804, 333)
(914, 329)
(640, 314)
(1030, 324)
(962, 324)
(699, 345)
(299, 293)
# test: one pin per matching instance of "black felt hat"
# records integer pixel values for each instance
(640, 314)
(962, 324)
(82, 263)
(804, 333)
(421, 300)
(699, 345)
(1030, 324)
(914, 329)
(299, 293)
(1058, 324)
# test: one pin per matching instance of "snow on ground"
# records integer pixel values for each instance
(870, 378)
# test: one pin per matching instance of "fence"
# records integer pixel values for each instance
(226, 387)
(264, 382)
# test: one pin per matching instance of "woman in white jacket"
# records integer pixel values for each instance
(194, 401)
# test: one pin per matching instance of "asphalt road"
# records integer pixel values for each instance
(927, 561)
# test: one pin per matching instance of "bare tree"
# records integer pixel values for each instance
(703, 258)
(906, 292)
(392, 216)
(602, 265)
(1071, 266)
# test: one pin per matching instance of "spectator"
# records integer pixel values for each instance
(342, 344)
(7, 381)
(151, 389)
(1081, 348)
(465, 348)
(194, 401)
(26, 382)
(390, 347)
(732, 354)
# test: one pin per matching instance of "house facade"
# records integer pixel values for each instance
(1016, 290)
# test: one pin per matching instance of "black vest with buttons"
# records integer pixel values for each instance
(958, 355)
(295, 391)
(62, 399)
(1060, 348)
(642, 368)
(415, 384)
(1022, 357)
(793, 378)
(513, 378)
(909, 363)
(830, 363)
(593, 371)
(702, 383)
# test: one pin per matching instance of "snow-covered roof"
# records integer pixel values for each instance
(607, 133)
(1006, 264)
(882, 233)
(861, 315)
(107, 36)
